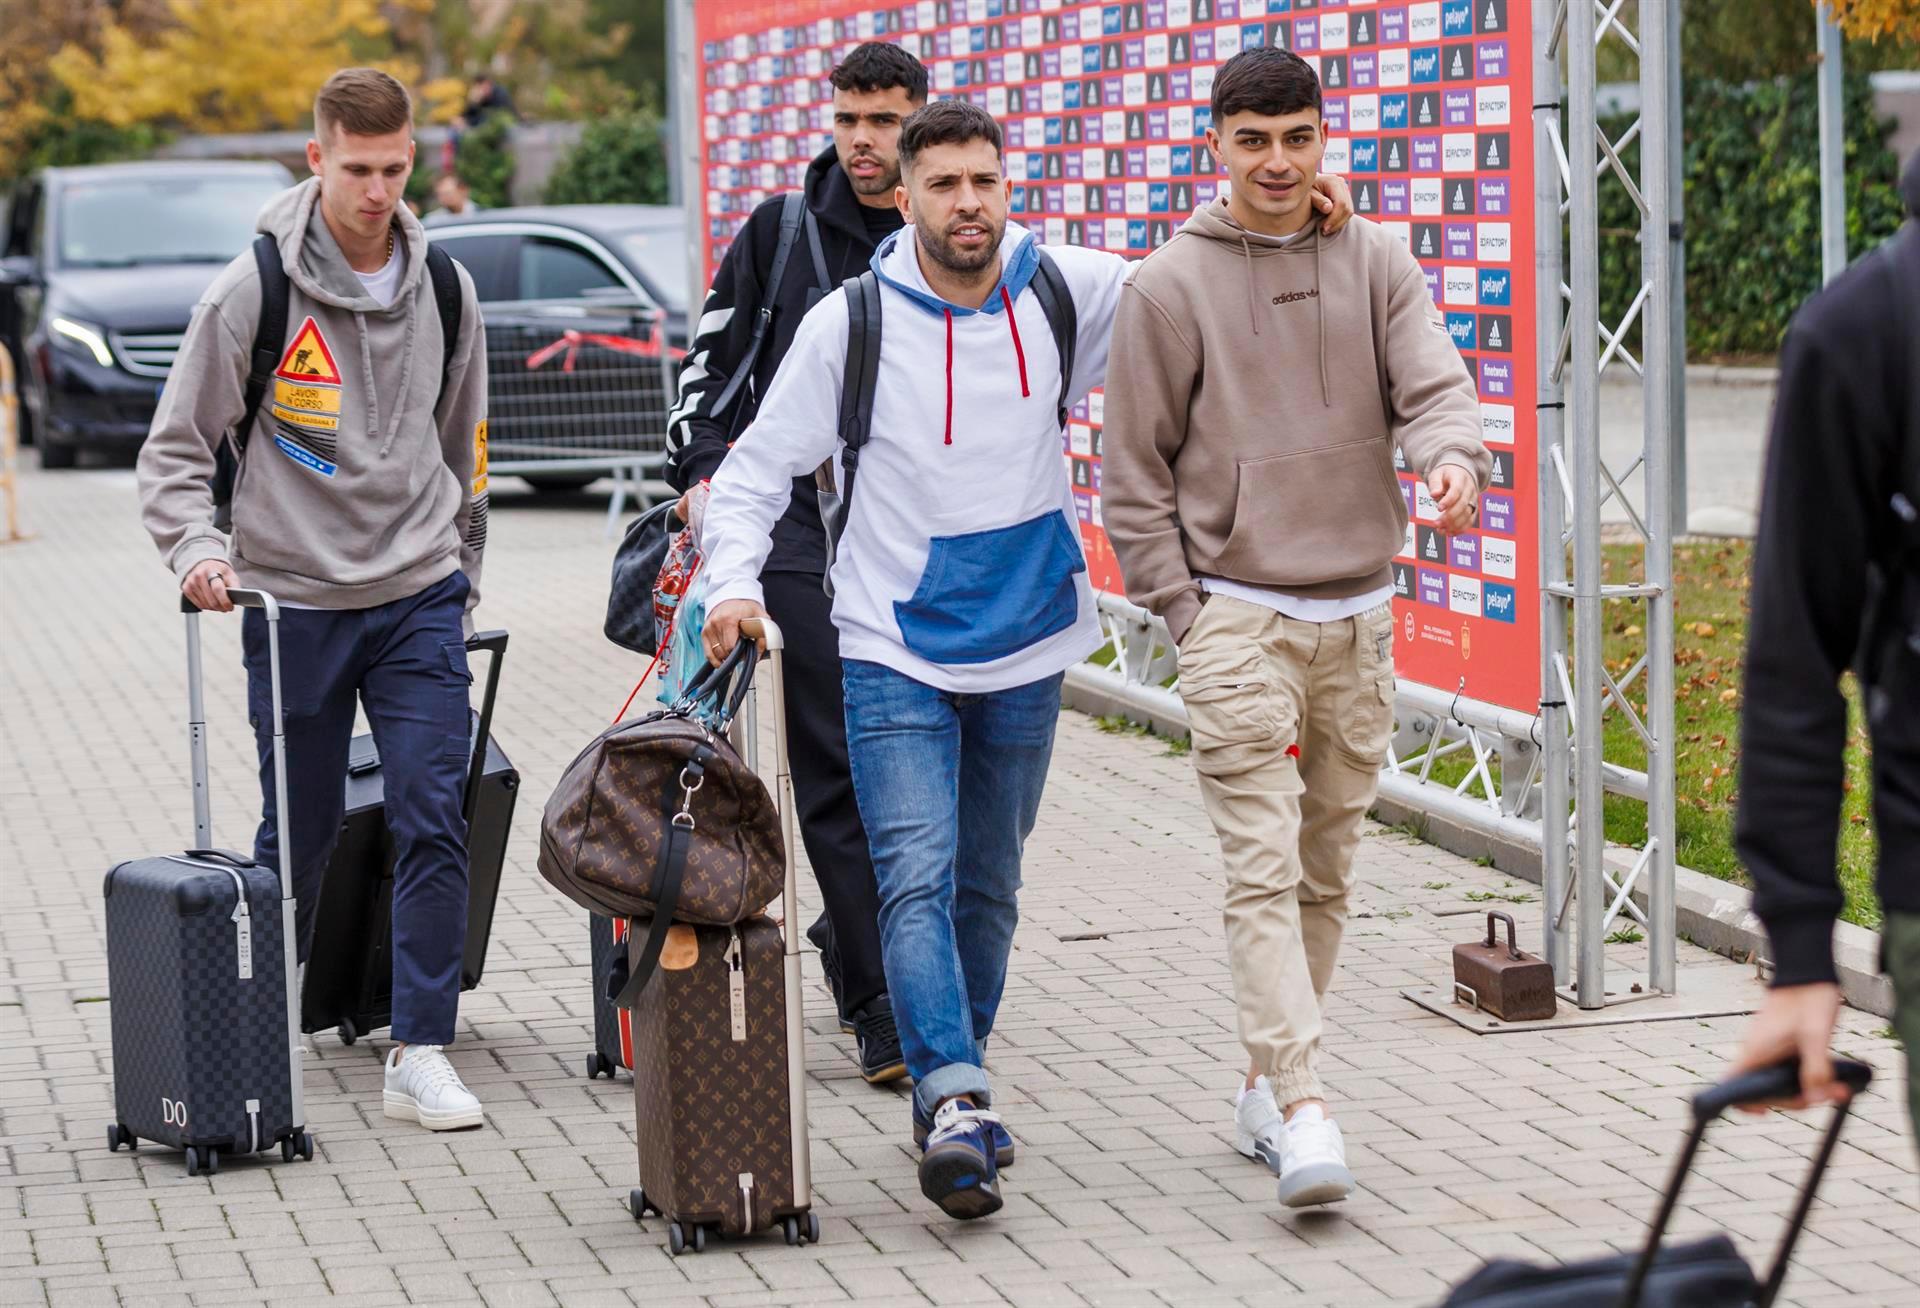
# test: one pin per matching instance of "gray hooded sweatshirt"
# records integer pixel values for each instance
(355, 490)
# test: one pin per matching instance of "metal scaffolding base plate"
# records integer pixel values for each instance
(1708, 990)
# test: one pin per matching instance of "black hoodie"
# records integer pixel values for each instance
(1847, 408)
(697, 436)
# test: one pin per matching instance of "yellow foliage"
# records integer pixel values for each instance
(239, 65)
(1870, 20)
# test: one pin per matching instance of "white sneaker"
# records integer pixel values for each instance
(1258, 1130)
(423, 1087)
(1314, 1168)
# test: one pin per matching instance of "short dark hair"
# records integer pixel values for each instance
(362, 102)
(879, 66)
(945, 122)
(1265, 80)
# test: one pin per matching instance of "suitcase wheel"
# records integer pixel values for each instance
(305, 1147)
(598, 1066)
(201, 1159)
(118, 1135)
(676, 1242)
(699, 1239)
(298, 1145)
(639, 1205)
(348, 1032)
(790, 1228)
(813, 1228)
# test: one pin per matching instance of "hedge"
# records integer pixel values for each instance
(1752, 213)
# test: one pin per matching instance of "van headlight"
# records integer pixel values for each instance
(82, 337)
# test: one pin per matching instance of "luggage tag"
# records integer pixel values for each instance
(736, 988)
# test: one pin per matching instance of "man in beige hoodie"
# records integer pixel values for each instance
(1263, 373)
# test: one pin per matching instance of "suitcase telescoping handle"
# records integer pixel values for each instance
(202, 807)
(1760, 1086)
(495, 644)
(197, 727)
(767, 632)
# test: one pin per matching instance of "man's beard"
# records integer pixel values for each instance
(965, 263)
(882, 183)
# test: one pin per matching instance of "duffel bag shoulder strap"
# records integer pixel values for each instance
(673, 867)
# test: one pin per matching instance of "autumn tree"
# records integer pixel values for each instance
(1871, 20)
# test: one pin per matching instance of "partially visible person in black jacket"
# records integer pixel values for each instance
(1839, 530)
(849, 191)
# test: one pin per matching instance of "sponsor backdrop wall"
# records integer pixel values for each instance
(1105, 111)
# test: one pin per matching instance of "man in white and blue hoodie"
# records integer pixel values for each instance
(960, 594)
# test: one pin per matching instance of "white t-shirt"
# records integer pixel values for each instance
(384, 285)
(1304, 610)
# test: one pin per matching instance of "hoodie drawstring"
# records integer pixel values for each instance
(1253, 307)
(406, 376)
(1320, 319)
(1019, 354)
(949, 317)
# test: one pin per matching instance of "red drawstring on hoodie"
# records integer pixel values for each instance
(1019, 354)
(949, 315)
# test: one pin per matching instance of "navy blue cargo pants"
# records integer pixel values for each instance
(407, 663)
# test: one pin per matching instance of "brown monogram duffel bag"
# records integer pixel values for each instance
(661, 818)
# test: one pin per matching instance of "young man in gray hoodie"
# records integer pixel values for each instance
(1262, 375)
(361, 504)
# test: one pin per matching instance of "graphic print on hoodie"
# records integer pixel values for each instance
(961, 566)
(356, 488)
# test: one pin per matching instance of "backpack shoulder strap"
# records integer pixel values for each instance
(821, 277)
(447, 298)
(857, 384)
(269, 333)
(793, 208)
(1051, 286)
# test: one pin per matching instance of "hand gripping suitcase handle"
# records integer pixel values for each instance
(197, 726)
(1763, 1085)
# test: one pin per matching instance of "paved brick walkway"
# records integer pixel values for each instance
(1115, 1055)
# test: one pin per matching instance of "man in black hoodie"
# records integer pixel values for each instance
(851, 209)
(1836, 584)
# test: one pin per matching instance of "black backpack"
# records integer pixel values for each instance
(643, 550)
(862, 374)
(270, 341)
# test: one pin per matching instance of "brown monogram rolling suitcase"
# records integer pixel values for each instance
(719, 1058)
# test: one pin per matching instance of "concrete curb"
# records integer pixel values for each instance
(1711, 913)
(1724, 374)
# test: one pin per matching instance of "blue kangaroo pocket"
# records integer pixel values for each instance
(988, 594)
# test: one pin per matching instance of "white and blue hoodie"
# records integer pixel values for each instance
(961, 564)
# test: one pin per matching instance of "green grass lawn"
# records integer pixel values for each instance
(1710, 616)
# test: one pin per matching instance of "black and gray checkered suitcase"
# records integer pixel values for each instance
(200, 976)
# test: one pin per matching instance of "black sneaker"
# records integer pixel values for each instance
(958, 1172)
(820, 936)
(1004, 1152)
(879, 1042)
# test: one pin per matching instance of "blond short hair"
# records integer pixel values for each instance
(362, 102)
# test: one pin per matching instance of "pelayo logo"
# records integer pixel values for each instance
(1499, 601)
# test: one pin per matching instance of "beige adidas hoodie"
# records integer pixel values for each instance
(1256, 390)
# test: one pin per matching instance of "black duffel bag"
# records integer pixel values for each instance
(636, 568)
(1705, 1273)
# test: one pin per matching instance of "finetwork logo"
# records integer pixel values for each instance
(1499, 602)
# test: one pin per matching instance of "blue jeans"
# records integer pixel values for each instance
(407, 663)
(949, 788)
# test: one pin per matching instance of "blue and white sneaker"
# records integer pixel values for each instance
(957, 1171)
(1003, 1150)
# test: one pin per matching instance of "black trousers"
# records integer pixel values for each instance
(823, 782)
